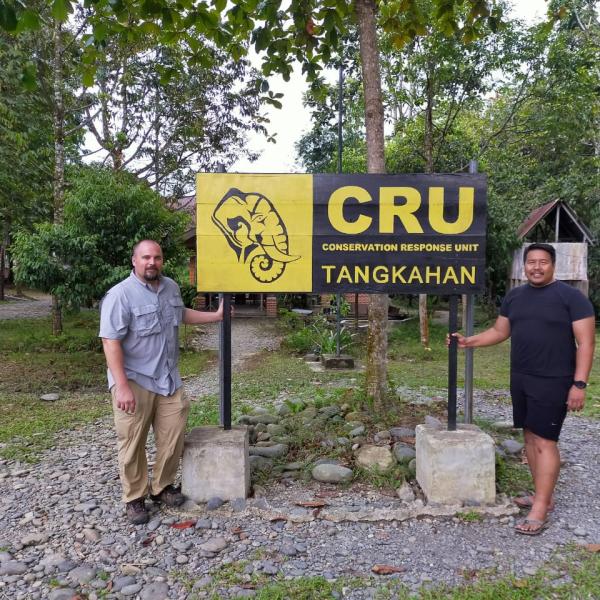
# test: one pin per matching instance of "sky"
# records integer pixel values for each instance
(290, 122)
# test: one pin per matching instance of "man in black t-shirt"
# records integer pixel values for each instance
(552, 329)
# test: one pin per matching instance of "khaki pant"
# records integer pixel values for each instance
(168, 416)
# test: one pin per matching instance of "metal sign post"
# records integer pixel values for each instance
(225, 362)
(469, 326)
(452, 362)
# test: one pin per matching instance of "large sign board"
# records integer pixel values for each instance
(341, 233)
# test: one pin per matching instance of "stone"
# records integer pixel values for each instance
(512, 446)
(265, 419)
(433, 422)
(82, 575)
(357, 431)
(91, 535)
(379, 457)
(326, 461)
(130, 569)
(412, 466)
(275, 429)
(404, 453)
(238, 504)
(155, 591)
(131, 590)
(405, 492)
(398, 432)
(49, 397)
(203, 524)
(214, 503)
(260, 463)
(215, 463)
(33, 539)
(13, 567)
(214, 545)
(332, 473)
(120, 582)
(330, 411)
(275, 451)
(456, 466)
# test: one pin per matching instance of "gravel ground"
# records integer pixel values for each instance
(62, 528)
(17, 308)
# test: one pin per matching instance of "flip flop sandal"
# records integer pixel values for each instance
(526, 502)
(541, 526)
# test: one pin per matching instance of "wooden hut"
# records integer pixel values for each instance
(557, 224)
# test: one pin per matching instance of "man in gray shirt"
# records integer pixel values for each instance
(139, 323)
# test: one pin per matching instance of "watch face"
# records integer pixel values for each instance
(580, 384)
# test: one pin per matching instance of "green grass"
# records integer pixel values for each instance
(80, 332)
(414, 366)
(192, 364)
(33, 361)
(31, 425)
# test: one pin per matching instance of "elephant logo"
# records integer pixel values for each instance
(255, 232)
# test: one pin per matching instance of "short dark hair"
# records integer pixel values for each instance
(545, 247)
(137, 245)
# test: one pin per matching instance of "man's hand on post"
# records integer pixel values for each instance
(576, 399)
(125, 398)
(461, 340)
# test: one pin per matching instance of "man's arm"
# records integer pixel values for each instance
(197, 317)
(113, 352)
(584, 332)
(499, 332)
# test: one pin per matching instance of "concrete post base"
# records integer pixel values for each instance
(343, 361)
(456, 466)
(215, 464)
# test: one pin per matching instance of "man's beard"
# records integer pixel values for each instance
(152, 276)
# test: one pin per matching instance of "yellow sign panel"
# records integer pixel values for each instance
(256, 236)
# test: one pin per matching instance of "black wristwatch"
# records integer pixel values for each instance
(580, 385)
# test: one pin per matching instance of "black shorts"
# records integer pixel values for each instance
(540, 403)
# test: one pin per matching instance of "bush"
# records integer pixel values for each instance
(105, 214)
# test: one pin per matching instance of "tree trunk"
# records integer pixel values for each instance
(59, 152)
(2, 254)
(376, 373)
(423, 320)
(428, 147)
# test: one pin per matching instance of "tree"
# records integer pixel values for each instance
(26, 146)
(105, 213)
(310, 32)
(164, 117)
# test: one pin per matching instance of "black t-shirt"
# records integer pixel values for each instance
(541, 318)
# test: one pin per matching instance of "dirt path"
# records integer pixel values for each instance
(28, 307)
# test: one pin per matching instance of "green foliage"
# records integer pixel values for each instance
(319, 336)
(104, 215)
(26, 142)
(512, 478)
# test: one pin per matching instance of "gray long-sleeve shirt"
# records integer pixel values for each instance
(146, 321)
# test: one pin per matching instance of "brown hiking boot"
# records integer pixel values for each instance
(136, 511)
(171, 496)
